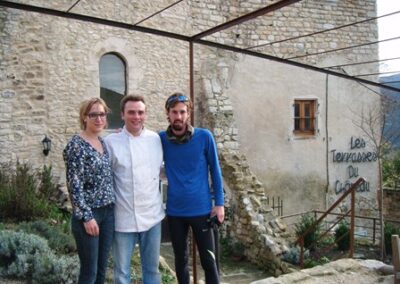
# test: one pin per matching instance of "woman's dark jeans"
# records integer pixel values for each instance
(93, 251)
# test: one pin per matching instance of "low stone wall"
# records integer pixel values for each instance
(251, 221)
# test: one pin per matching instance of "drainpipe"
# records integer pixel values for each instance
(326, 137)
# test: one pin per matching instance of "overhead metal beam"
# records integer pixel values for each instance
(374, 74)
(244, 18)
(73, 5)
(344, 48)
(293, 63)
(362, 62)
(324, 31)
(95, 20)
(390, 82)
(90, 19)
(158, 12)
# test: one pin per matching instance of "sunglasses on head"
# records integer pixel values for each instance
(176, 98)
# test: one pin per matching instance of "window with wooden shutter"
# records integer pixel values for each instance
(305, 117)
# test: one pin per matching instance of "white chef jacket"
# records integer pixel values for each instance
(136, 163)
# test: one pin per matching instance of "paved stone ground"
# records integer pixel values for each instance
(354, 271)
(345, 271)
(232, 272)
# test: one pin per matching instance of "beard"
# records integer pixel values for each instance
(178, 125)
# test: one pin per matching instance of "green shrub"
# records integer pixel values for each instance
(342, 236)
(18, 196)
(136, 270)
(391, 170)
(226, 247)
(58, 241)
(311, 238)
(24, 195)
(310, 262)
(293, 255)
(327, 241)
(47, 187)
(390, 230)
(231, 248)
(28, 256)
(167, 278)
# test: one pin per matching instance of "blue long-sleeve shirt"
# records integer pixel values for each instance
(187, 167)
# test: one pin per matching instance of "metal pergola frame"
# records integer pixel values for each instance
(198, 38)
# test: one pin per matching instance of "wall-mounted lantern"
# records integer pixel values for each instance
(46, 145)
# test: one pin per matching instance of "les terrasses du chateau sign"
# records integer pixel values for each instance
(357, 154)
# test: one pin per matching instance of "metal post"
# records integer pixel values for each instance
(194, 266)
(191, 81)
(191, 90)
(273, 203)
(353, 201)
(374, 231)
(396, 258)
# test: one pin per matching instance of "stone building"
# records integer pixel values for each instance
(282, 130)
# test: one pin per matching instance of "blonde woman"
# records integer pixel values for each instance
(90, 186)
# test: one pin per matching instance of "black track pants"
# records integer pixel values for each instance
(203, 234)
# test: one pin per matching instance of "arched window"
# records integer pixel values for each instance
(113, 86)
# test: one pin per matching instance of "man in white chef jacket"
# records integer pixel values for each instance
(136, 157)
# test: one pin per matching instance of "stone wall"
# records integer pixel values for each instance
(304, 17)
(391, 204)
(250, 220)
(49, 65)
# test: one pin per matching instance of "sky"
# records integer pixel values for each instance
(389, 27)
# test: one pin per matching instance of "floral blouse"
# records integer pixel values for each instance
(89, 177)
